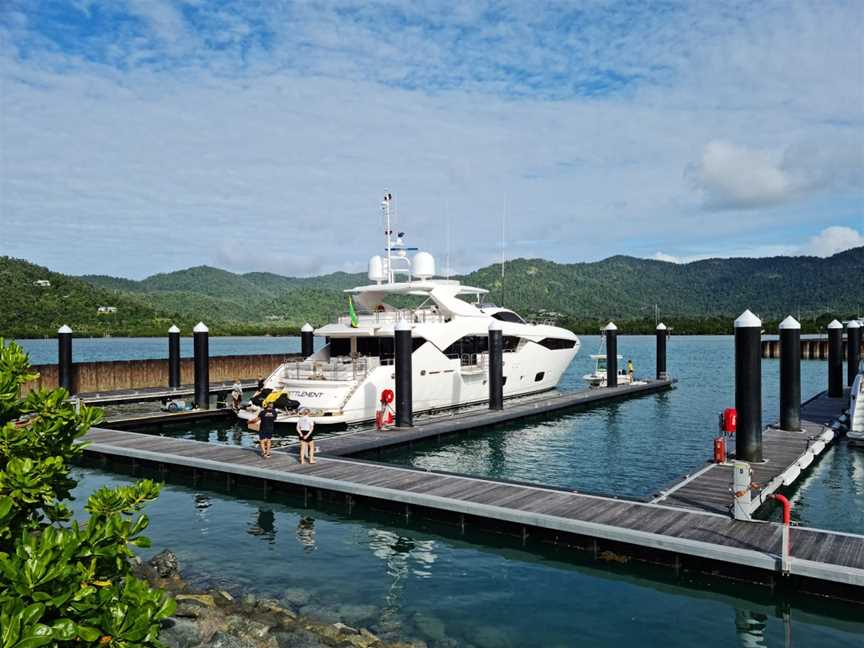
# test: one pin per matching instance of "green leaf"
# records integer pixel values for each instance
(88, 633)
(64, 629)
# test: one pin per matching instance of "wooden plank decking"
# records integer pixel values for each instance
(709, 489)
(818, 554)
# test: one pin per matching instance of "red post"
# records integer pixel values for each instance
(786, 541)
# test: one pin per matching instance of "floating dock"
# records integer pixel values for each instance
(145, 394)
(670, 531)
(788, 453)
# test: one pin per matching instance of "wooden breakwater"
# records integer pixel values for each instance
(811, 348)
(99, 377)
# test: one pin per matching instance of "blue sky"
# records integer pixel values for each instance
(139, 136)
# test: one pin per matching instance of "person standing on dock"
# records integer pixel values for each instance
(306, 433)
(266, 421)
(630, 370)
(236, 395)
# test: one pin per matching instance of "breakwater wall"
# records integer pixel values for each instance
(811, 348)
(96, 377)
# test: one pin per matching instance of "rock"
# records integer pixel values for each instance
(223, 640)
(249, 600)
(430, 626)
(357, 614)
(299, 639)
(180, 633)
(364, 639)
(270, 605)
(345, 629)
(295, 597)
(165, 563)
(189, 610)
(224, 596)
(244, 627)
(319, 613)
(205, 600)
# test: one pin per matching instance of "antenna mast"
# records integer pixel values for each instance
(388, 232)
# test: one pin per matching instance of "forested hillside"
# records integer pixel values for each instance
(699, 297)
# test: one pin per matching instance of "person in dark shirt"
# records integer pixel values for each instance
(266, 420)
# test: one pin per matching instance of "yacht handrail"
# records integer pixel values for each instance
(413, 315)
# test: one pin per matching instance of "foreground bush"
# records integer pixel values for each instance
(62, 581)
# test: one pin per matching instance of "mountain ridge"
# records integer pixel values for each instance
(707, 293)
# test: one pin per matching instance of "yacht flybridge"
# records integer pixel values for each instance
(346, 381)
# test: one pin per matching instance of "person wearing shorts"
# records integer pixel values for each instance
(306, 434)
(266, 420)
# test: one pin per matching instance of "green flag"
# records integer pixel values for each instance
(352, 313)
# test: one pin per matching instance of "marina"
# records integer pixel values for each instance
(680, 537)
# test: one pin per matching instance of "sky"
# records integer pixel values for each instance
(144, 136)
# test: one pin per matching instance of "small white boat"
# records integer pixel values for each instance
(599, 376)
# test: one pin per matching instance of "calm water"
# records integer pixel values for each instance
(410, 583)
(414, 583)
(97, 349)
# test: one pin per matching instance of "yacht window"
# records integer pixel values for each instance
(473, 344)
(557, 343)
(508, 316)
(383, 347)
(539, 376)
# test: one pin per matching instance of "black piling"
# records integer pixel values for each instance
(307, 339)
(173, 357)
(835, 359)
(611, 333)
(404, 398)
(748, 387)
(662, 335)
(64, 358)
(201, 352)
(496, 367)
(790, 374)
(853, 350)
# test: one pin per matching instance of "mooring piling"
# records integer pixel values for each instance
(835, 359)
(404, 397)
(496, 366)
(173, 357)
(853, 350)
(790, 374)
(611, 333)
(748, 387)
(64, 358)
(307, 339)
(201, 352)
(662, 335)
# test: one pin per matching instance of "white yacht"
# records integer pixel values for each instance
(346, 381)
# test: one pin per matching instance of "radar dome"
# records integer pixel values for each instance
(376, 269)
(423, 265)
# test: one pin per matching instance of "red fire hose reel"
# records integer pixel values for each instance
(384, 414)
(728, 425)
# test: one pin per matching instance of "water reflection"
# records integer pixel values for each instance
(264, 525)
(306, 534)
(750, 628)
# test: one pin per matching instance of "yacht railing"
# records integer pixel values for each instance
(378, 318)
(342, 369)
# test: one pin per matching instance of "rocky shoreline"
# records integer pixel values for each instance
(219, 619)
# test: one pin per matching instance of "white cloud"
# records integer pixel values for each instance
(835, 239)
(735, 177)
(147, 151)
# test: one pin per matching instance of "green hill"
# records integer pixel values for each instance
(702, 296)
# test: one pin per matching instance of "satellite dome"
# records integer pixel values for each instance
(423, 265)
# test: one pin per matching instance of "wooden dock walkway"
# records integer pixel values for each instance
(123, 396)
(787, 454)
(823, 562)
(426, 427)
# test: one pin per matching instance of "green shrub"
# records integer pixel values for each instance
(65, 582)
